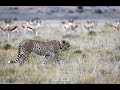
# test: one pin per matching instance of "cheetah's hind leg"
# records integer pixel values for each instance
(23, 60)
(47, 57)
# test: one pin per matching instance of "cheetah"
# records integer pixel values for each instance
(50, 48)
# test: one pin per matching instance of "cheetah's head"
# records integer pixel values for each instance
(65, 45)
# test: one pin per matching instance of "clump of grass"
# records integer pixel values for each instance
(84, 55)
(65, 53)
(115, 58)
(7, 46)
(11, 79)
(78, 51)
(63, 22)
(92, 33)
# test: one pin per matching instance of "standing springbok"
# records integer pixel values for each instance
(9, 27)
(33, 25)
(29, 25)
(23, 27)
(90, 25)
(116, 25)
(71, 25)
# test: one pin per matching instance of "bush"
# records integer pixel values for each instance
(7, 46)
(63, 22)
(80, 7)
(84, 55)
(113, 9)
(92, 33)
(78, 51)
(70, 11)
(80, 11)
(98, 11)
(13, 8)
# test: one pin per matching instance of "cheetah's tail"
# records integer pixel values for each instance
(15, 61)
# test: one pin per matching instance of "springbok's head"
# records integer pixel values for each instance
(8, 21)
(71, 20)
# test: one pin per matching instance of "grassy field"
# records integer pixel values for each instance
(93, 58)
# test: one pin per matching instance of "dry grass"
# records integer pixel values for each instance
(94, 57)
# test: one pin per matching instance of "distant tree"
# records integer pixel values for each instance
(113, 9)
(70, 11)
(80, 7)
(98, 11)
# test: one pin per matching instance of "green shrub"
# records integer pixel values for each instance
(92, 33)
(7, 46)
(78, 51)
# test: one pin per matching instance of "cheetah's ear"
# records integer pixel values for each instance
(63, 41)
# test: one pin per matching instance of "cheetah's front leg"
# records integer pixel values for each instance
(47, 57)
(57, 58)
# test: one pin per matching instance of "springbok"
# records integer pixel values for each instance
(70, 25)
(9, 27)
(116, 25)
(33, 25)
(90, 25)
(29, 25)
(22, 26)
